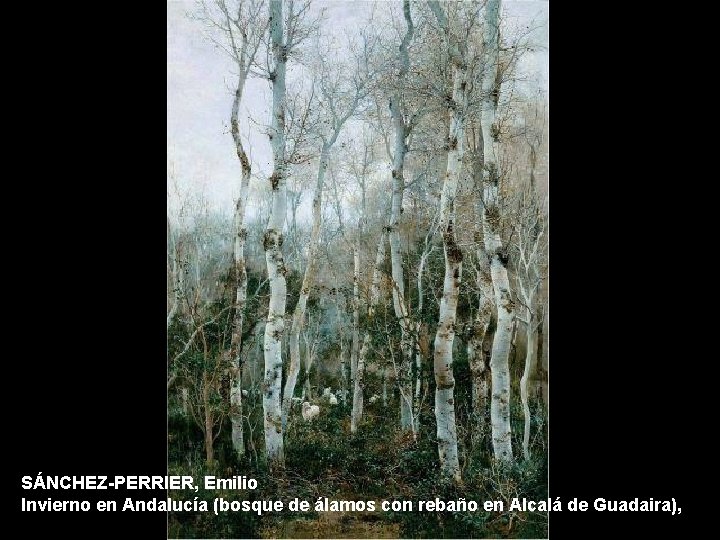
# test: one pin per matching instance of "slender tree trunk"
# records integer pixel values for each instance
(541, 381)
(417, 394)
(404, 375)
(298, 321)
(527, 377)
(499, 363)
(421, 335)
(344, 353)
(444, 378)
(177, 275)
(355, 348)
(236, 413)
(272, 413)
(355, 352)
(358, 397)
(307, 388)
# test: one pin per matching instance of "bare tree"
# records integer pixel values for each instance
(457, 49)
(339, 101)
(238, 28)
(499, 361)
(530, 248)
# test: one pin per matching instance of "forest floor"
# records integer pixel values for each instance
(335, 525)
(324, 460)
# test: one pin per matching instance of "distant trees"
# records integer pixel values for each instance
(339, 100)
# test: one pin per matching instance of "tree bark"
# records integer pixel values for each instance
(236, 414)
(445, 336)
(499, 363)
(527, 377)
(275, 326)
(401, 132)
(355, 347)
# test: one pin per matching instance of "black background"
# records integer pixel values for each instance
(85, 263)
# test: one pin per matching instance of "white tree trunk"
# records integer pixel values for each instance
(236, 413)
(527, 377)
(499, 363)
(275, 326)
(401, 132)
(344, 353)
(355, 352)
(355, 348)
(358, 398)
(445, 336)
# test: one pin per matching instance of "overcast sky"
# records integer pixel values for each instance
(200, 151)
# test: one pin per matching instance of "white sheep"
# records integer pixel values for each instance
(244, 393)
(326, 392)
(333, 399)
(374, 398)
(309, 411)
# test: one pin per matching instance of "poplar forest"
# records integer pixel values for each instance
(357, 261)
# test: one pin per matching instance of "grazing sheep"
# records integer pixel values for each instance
(333, 399)
(309, 411)
(374, 398)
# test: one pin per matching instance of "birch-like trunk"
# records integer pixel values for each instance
(404, 375)
(344, 353)
(401, 129)
(355, 351)
(236, 413)
(358, 398)
(445, 336)
(275, 326)
(499, 362)
(355, 347)
(528, 375)
(421, 343)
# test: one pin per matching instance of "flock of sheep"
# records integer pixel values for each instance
(310, 412)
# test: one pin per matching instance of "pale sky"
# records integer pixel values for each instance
(200, 151)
